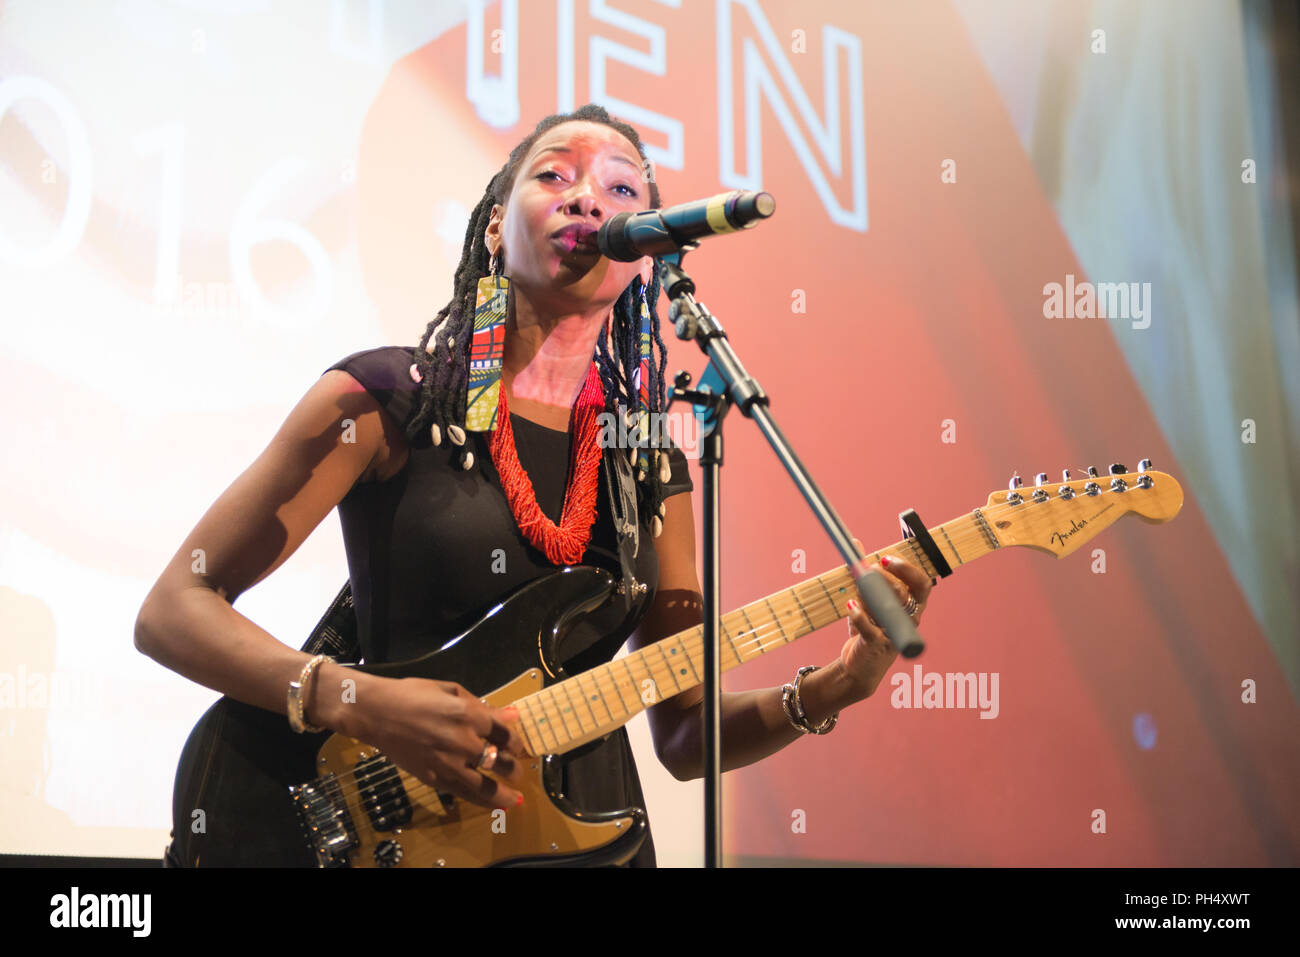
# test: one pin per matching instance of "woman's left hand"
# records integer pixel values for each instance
(868, 654)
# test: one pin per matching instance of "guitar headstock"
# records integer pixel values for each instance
(1058, 517)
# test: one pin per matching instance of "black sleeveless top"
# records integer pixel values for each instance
(434, 546)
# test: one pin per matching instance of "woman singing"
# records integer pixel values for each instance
(450, 501)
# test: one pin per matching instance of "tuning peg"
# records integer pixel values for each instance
(1092, 471)
(1118, 470)
(1144, 480)
(1013, 496)
(1040, 494)
(1065, 475)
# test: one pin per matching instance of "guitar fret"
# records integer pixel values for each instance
(643, 658)
(570, 708)
(777, 619)
(588, 698)
(528, 727)
(921, 558)
(560, 711)
(538, 724)
(664, 655)
(752, 630)
(794, 593)
(687, 655)
(722, 625)
(955, 553)
(618, 690)
(595, 680)
(632, 677)
(595, 721)
(829, 596)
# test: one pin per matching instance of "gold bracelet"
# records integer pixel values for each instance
(298, 691)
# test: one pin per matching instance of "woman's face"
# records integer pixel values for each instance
(576, 176)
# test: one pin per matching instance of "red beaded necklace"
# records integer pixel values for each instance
(566, 543)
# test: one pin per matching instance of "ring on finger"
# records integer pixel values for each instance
(911, 606)
(487, 759)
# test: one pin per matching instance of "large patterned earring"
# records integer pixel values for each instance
(641, 385)
(487, 349)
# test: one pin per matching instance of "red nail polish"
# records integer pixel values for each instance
(520, 801)
(853, 605)
(885, 560)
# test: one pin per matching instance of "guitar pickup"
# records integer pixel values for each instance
(382, 794)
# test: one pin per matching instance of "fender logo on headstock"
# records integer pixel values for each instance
(1075, 528)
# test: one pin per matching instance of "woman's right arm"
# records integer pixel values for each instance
(336, 434)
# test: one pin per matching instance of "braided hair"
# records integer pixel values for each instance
(443, 366)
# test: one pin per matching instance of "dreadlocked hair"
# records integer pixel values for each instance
(442, 359)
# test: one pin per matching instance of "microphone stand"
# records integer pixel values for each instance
(694, 322)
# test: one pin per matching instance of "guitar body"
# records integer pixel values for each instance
(250, 792)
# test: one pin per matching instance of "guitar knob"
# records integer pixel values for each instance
(1144, 465)
(1118, 470)
(1092, 471)
(1040, 479)
(1015, 483)
(388, 853)
(1065, 475)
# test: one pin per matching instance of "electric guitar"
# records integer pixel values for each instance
(250, 792)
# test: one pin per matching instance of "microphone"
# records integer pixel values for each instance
(629, 236)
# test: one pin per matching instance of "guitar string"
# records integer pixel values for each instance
(970, 534)
(967, 536)
(755, 644)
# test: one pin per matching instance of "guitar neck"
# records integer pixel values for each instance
(588, 706)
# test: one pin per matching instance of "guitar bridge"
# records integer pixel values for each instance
(326, 821)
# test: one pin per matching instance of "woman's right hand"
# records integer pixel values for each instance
(436, 731)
